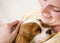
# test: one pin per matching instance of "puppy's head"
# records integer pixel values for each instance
(30, 29)
(45, 34)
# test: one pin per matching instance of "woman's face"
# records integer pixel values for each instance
(50, 12)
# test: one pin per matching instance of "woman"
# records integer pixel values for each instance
(50, 14)
(50, 10)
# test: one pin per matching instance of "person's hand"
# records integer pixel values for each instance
(8, 33)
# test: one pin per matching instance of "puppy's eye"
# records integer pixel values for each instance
(44, 25)
(38, 29)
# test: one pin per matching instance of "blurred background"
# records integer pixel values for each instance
(11, 10)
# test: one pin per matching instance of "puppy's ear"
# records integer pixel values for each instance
(24, 35)
(21, 38)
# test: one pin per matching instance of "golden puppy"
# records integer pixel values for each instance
(30, 29)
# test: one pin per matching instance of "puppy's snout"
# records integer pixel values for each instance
(48, 32)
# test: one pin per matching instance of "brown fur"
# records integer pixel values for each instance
(27, 32)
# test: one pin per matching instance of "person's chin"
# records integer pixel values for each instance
(55, 24)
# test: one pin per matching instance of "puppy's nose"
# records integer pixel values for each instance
(48, 32)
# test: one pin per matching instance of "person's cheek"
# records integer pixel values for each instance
(56, 16)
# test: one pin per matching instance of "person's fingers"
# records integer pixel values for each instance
(14, 33)
(10, 25)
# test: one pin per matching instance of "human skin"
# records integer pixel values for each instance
(6, 33)
(50, 13)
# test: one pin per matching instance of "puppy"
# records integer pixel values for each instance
(33, 31)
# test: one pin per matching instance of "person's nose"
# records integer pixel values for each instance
(46, 10)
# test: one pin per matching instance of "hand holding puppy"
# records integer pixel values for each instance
(7, 34)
